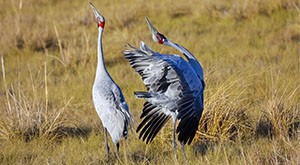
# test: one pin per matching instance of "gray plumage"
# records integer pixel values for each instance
(173, 90)
(108, 99)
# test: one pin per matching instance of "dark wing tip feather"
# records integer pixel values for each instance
(187, 129)
(153, 121)
(145, 120)
(149, 127)
(189, 114)
(147, 109)
(159, 126)
(155, 127)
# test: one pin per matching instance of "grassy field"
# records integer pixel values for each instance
(249, 51)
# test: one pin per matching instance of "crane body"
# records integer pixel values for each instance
(174, 90)
(108, 99)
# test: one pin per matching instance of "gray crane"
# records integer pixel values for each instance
(175, 90)
(108, 99)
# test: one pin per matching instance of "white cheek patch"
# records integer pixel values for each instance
(154, 38)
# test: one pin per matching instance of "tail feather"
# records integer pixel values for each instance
(143, 95)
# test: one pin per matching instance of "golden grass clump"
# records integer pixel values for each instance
(225, 117)
(28, 114)
(280, 116)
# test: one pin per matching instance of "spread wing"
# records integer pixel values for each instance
(172, 86)
(156, 74)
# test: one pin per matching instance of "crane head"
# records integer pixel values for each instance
(156, 36)
(99, 18)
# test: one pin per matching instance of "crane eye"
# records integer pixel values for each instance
(161, 38)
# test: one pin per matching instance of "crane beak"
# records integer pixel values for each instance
(152, 28)
(100, 19)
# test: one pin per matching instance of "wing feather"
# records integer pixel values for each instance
(173, 77)
(122, 107)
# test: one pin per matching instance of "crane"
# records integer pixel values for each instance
(108, 99)
(174, 90)
(196, 66)
(161, 39)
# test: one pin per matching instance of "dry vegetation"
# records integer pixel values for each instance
(249, 51)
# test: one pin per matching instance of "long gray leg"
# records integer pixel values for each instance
(106, 145)
(174, 140)
(183, 152)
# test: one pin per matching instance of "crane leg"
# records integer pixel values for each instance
(174, 141)
(183, 152)
(118, 151)
(118, 148)
(106, 145)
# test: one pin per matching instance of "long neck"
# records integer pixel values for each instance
(190, 57)
(101, 69)
(182, 49)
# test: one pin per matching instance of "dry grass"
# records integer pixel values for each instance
(249, 52)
